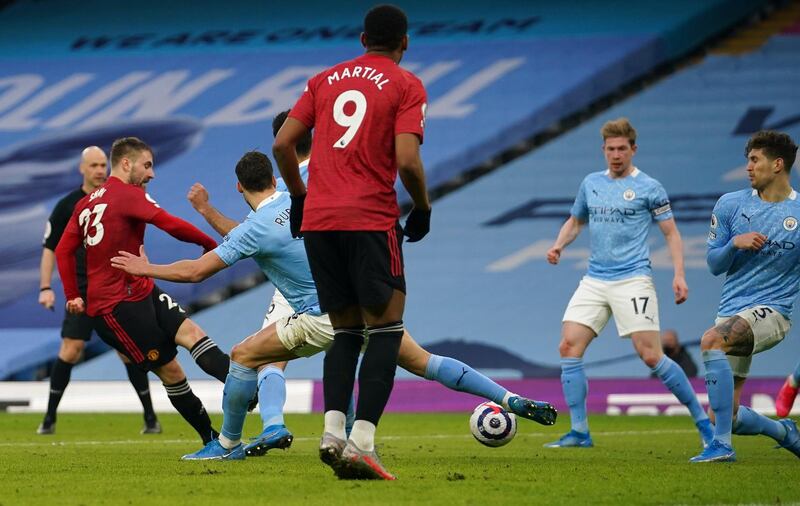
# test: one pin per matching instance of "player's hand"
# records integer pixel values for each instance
(554, 255)
(76, 306)
(296, 215)
(418, 224)
(47, 298)
(752, 241)
(198, 197)
(130, 263)
(681, 289)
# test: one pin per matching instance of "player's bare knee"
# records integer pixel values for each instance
(188, 334)
(71, 350)
(651, 358)
(568, 349)
(712, 340)
(241, 354)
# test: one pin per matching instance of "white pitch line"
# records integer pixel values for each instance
(390, 438)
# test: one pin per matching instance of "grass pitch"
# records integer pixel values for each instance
(102, 459)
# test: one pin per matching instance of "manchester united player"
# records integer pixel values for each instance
(368, 117)
(130, 313)
(76, 330)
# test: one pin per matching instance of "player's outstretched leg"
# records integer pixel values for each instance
(458, 376)
(788, 393)
(784, 432)
(240, 386)
(675, 379)
(576, 387)
(719, 382)
(271, 398)
(210, 358)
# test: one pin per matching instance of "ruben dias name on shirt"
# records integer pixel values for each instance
(363, 72)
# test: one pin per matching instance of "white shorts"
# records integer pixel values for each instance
(305, 334)
(769, 328)
(278, 308)
(632, 301)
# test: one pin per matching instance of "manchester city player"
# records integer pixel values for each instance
(619, 204)
(301, 332)
(754, 240)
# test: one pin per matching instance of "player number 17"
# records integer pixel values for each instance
(636, 306)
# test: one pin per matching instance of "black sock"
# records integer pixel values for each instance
(191, 408)
(59, 379)
(140, 383)
(376, 376)
(339, 370)
(211, 359)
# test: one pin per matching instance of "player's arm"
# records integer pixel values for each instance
(182, 230)
(568, 233)
(722, 245)
(675, 245)
(412, 175)
(47, 296)
(182, 271)
(285, 155)
(198, 197)
(67, 269)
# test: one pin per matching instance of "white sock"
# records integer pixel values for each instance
(363, 435)
(506, 398)
(228, 444)
(334, 423)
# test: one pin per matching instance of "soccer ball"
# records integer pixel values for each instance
(492, 425)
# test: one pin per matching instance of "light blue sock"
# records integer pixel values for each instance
(719, 383)
(796, 374)
(240, 385)
(674, 378)
(271, 396)
(750, 423)
(463, 378)
(576, 387)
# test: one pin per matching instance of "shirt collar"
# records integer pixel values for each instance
(269, 199)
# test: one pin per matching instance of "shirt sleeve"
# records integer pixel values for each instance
(141, 205)
(303, 109)
(238, 244)
(65, 258)
(580, 209)
(719, 232)
(660, 207)
(411, 113)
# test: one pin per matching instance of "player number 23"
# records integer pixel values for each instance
(84, 218)
(352, 121)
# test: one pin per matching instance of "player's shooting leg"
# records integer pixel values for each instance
(204, 351)
(184, 400)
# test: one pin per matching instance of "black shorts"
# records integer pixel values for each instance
(356, 268)
(144, 331)
(77, 326)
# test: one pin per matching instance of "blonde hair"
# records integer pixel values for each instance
(619, 127)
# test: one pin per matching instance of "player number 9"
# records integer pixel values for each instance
(353, 121)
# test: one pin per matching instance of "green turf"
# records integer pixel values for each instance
(102, 459)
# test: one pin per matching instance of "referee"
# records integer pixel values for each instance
(76, 330)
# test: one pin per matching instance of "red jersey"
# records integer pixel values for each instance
(356, 109)
(109, 220)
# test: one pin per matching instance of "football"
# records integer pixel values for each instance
(492, 425)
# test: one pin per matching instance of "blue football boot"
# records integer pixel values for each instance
(215, 451)
(538, 411)
(717, 451)
(792, 439)
(572, 439)
(274, 436)
(706, 429)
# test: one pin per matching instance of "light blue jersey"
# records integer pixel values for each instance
(280, 185)
(264, 236)
(771, 276)
(619, 213)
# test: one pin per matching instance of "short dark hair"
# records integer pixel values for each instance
(125, 147)
(303, 147)
(254, 171)
(384, 27)
(774, 145)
